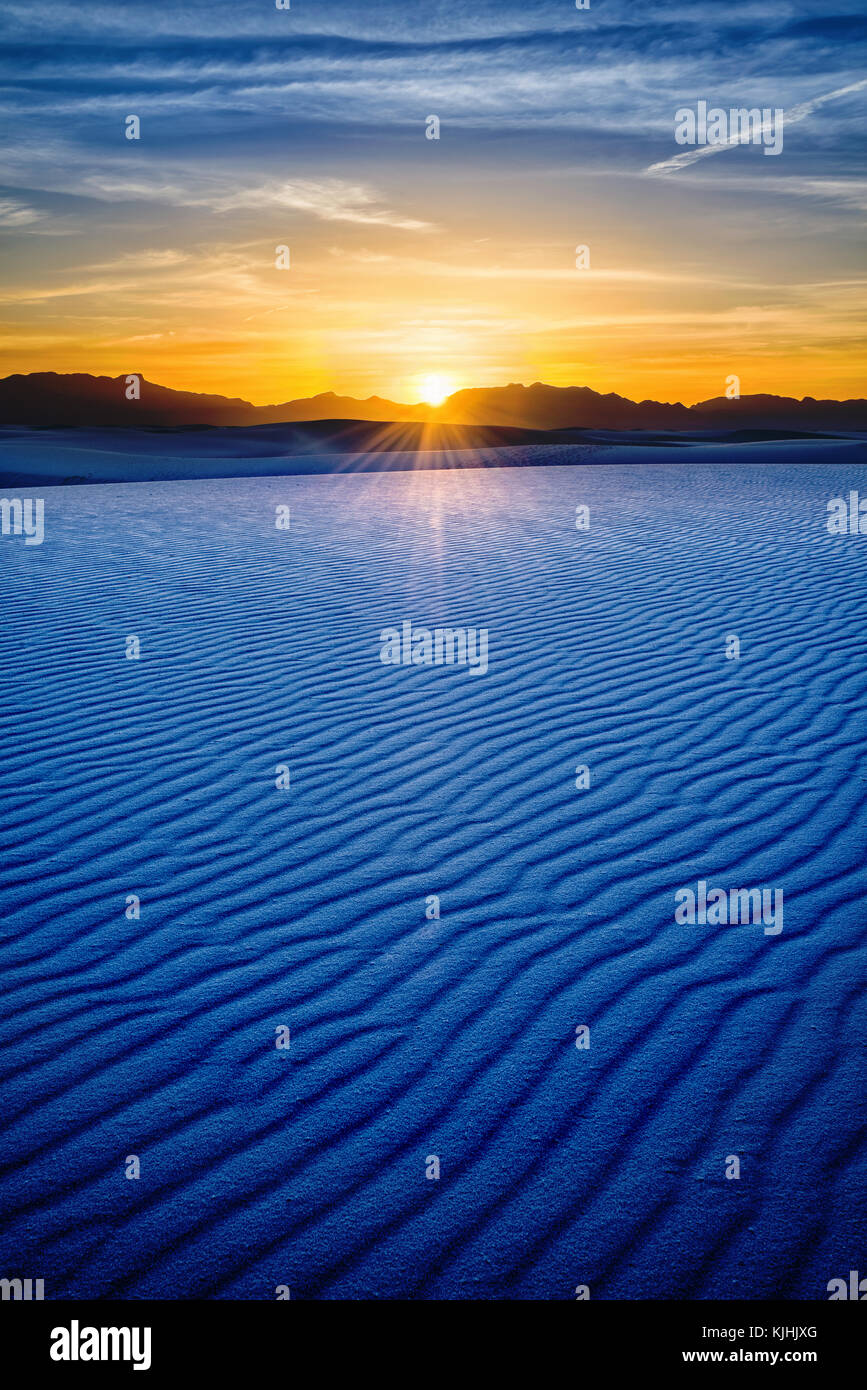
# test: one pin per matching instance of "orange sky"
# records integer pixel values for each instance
(362, 321)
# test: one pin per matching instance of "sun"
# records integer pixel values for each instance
(435, 388)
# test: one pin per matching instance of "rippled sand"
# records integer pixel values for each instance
(414, 1036)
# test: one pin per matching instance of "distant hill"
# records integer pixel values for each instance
(50, 400)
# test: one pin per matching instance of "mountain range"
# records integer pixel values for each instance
(52, 400)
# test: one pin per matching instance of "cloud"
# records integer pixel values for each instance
(330, 200)
(327, 200)
(156, 260)
(791, 117)
(15, 214)
(846, 192)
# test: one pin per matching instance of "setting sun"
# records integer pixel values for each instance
(435, 388)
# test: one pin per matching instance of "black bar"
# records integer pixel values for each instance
(234, 1339)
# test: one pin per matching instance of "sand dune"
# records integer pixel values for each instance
(453, 1037)
(45, 458)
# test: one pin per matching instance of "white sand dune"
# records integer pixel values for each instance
(307, 907)
(48, 457)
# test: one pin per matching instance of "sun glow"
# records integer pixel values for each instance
(435, 388)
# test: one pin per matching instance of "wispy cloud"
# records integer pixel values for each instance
(15, 214)
(223, 191)
(790, 117)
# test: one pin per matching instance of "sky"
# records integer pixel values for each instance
(419, 266)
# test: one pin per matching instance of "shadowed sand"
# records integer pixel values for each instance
(45, 458)
(306, 908)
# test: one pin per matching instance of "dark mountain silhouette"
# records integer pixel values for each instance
(50, 400)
